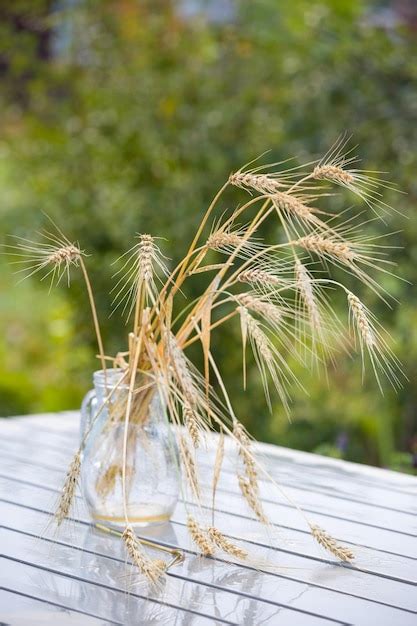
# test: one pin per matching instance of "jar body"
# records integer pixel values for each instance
(151, 465)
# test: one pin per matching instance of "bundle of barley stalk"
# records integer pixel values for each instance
(279, 291)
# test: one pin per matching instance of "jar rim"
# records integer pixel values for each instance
(112, 375)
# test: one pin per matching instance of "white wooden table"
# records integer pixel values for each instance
(79, 575)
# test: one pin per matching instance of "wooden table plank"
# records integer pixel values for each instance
(330, 504)
(349, 531)
(290, 541)
(340, 479)
(339, 578)
(32, 611)
(209, 602)
(108, 604)
(66, 424)
(300, 595)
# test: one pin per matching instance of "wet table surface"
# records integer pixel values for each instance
(80, 576)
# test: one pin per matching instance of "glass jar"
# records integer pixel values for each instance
(152, 463)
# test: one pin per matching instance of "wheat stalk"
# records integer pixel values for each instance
(56, 254)
(352, 253)
(200, 537)
(360, 317)
(342, 250)
(262, 183)
(259, 276)
(267, 309)
(225, 544)
(235, 242)
(252, 498)
(68, 490)
(244, 445)
(191, 423)
(67, 254)
(268, 359)
(221, 240)
(146, 255)
(333, 173)
(330, 544)
(365, 326)
(304, 285)
(152, 569)
(336, 167)
(181, 371)
(218, 462)
(136, 278)
(293, 206)
(190, 467)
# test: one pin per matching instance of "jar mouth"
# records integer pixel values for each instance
(109, 377)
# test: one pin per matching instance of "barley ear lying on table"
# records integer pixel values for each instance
(200, 537)
(330, 544)
(152, 569)
(225, 544)
(68, 490)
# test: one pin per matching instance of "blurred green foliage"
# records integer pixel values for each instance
(123, 116)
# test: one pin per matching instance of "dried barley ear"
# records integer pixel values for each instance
(152, 569)
(218, 462)
(230, 241)
(68, 490)
(53, 256)
(252, 499)
(137, 275)
(106, 482)
(330, 544)
(244, 447)
(297, 210)
(338, 167)
(268, 183)
(200, 537)
(365, 327)
(225, 544)
(269, 360)
(190, 420)
(188, 461)
(305, 290)
(260, 278)
(182, 372)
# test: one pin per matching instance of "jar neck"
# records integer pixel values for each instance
(109, 379)
(110, 384)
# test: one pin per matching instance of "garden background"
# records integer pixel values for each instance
(124, 116)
